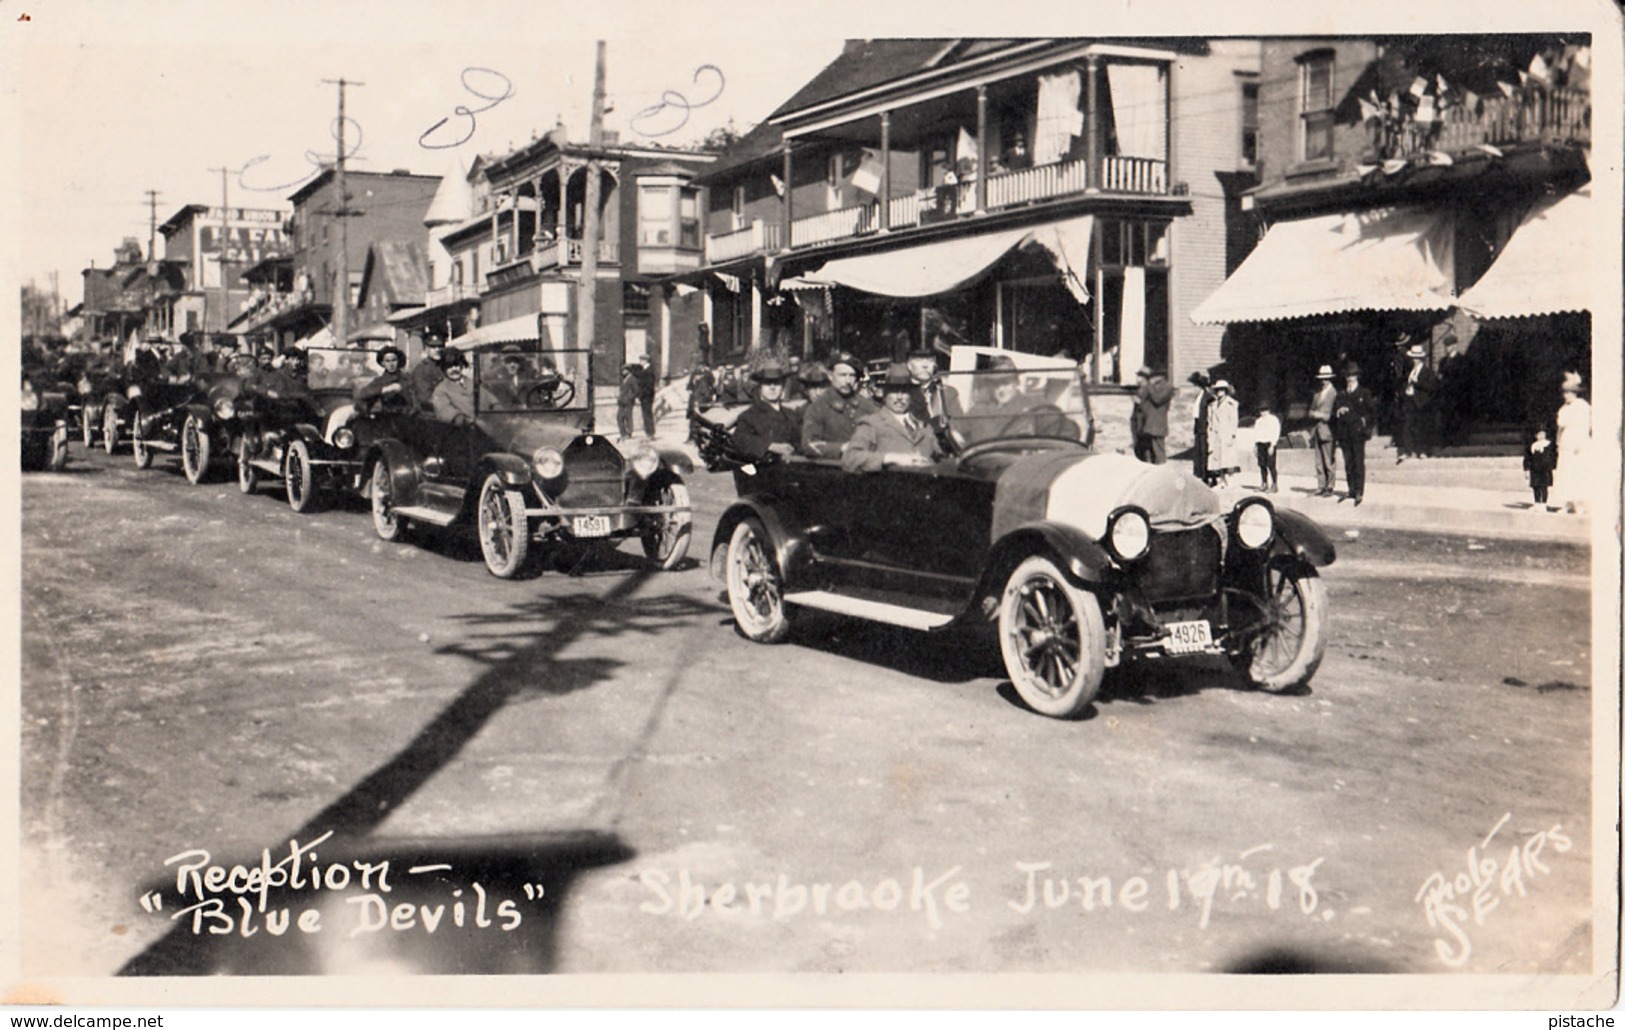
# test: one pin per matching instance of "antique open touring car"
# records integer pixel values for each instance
(45, 423)
(1083, 560)
(307, 438)
(526, 467)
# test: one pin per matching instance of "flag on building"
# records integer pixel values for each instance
(867, 177)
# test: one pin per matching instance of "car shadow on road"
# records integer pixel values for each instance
(519, 652)
(1152, 682)
(953, 656)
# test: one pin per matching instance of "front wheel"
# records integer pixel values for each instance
(504, 528)
(1053, 639)
(194, 450)
(299, 477)
(110, 428)
(1287, 650)
(58, 459)
(138, 442)
(755, 591)
(385, 521)
(248, 474)
(666, 537)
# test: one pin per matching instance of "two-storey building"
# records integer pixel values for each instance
(381, 206)
(1396, 174)
(1042, 195)
(216, 247)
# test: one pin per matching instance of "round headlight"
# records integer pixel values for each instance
(1255, 524)
(1128, 534)
(224, 408)
(549, 463)
(344, 438)
(645, 461)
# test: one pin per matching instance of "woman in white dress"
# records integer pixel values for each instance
(1223, 419)
(1573, 448)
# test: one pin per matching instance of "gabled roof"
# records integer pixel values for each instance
(399, 268)
(764, 142)
(454, 200)
(869, 62)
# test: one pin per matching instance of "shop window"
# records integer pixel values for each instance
(1315, 106)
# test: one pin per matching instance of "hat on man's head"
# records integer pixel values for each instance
(1402, 339)
(1200, 378)
(1449, 340)
(814, 374)
(455, 359)
(848, 360)
(922, 351)
(1143, 373)
(897, 377)
(1324, 373)
(433, 340)
(1351, 369)
(1221, 384)
(1571, 381)
(1416, 351)
(400, 355)
(770, 371)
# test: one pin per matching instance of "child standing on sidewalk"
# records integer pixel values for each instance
(1266, 435)
(1539, 460)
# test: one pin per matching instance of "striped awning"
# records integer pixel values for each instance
(1381, 259)
(514, 330)
(1543, 269)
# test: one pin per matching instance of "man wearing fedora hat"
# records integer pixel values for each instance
(1354, 419)
(389, 391)
(1149, 419)
(507, 386)
(1415, 405)
(767, 426)
(1321, 409)
(893, 436)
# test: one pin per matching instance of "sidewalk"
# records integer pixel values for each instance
(1457, 496)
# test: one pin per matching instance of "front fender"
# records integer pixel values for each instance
(790, 548)
(1300, 536)
(513, 469)
(677, 460)
(404, 477)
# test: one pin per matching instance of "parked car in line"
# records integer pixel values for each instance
(1081, 560)
(308, 438)
(45, 425)
(528, 469)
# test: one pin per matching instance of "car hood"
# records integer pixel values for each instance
(1084, 491)
(523, 435)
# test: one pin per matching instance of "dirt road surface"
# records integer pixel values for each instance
(590, 771)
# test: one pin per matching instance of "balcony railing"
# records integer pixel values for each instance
(450, 293)
(1528, 116)
(756, 238)
(1139, 175)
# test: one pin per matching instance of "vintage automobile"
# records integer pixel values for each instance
(309, 440)
(529, 468)
(210, 427)
(1083, 560)
(45, 426)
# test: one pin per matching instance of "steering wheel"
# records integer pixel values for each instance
(554, 392)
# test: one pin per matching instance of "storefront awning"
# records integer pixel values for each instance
(514, 330)
(1543, 269)
(376, 331)
(947, 265)
(1382, 259)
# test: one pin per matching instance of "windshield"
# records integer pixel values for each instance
(514, 380)
(998, 400)
(334, 369)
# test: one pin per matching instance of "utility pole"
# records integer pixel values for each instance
(152, 226)
(589, 222)
(225, 238)
(341, 299)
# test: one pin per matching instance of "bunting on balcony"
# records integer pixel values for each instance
(867, 177)
(730, 281)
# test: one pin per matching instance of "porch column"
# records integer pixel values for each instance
(789, 208)
(513, 229)
(981, 149)
(1091, 125)
(756, 311)
(496, 226)
(564, 207)
(707, 316)
(665, 331)
(885, 170)
(536, 230)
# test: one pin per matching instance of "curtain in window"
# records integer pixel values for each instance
(1138, 109)
(1058, 116)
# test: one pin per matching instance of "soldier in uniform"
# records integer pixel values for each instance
(830, 419)
(427, 374)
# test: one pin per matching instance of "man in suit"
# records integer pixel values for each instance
(892, 437)
(1415, 405)
(1149, 419)
(830, 419)
(1321, 410)
(1354, 419)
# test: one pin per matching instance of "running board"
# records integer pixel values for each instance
(875, 611)
(425, 514)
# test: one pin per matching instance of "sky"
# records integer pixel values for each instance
(101, 101)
